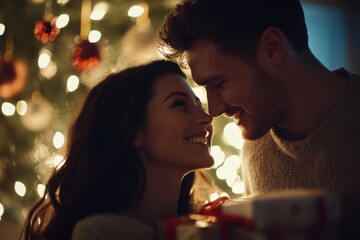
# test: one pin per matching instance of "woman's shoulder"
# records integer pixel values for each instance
(111, 226)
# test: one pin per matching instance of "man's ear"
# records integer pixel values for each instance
(139, 139)
(272, 45)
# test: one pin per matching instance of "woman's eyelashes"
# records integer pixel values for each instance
(180, 103)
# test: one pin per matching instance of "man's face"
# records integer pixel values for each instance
(246, 93)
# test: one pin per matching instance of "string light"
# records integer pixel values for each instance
(2, 29)
(62, 21)
(58, 140)
(72, 83)
(21, 107)
(2, 210)
(20, 188)
(8, 109)
(135, 11)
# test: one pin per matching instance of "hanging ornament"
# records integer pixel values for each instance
(39, 113)
(139, 43)
(85, 56)
(13, 72)
(45, 30)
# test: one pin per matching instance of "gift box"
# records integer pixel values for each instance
(202, 226)
(290, 214)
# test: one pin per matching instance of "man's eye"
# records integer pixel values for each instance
(220, 84)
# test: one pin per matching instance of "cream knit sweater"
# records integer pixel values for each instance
(328, 159)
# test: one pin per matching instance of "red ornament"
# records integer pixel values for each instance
(13, 75)
(46, 30)
(86, 56)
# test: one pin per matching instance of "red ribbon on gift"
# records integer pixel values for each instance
(226, 221)
(213, 210)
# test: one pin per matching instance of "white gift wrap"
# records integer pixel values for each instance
(212, 232)
(292, 209)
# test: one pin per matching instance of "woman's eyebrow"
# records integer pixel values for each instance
(176, 93)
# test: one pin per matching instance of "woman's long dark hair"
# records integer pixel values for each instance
(102, 172)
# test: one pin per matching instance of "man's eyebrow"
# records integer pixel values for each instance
(206, 81)
(176, 93)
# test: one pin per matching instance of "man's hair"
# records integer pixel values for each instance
(233, 25)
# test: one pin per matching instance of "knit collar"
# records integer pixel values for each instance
(317, 140)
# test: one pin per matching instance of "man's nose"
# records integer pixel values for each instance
(215, 103)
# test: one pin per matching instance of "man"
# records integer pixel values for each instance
(301, 120)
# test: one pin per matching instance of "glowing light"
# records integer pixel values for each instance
(21, 107)
(233, 135)
(2, 29)
(20, 188)
(62, 2)
(41, 189)
(94, 36)
(214, 196)
(231, 178)
(49, 71)
(58, 140)
(136, 11)
(238, 187)
(62, 20)
(99, 11)
(8, 109)
(1, 210)
(72, 83)
(44, 58)
(217, 154)
(200, 92)
(233, 161)
(221, 173)
(57, 161)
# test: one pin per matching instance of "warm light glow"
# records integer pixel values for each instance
(221, 173)
(21, 107)
(8, 109)
(99, 11)
(200, 92)
(233, 135)
(49, 71)
(41, 189)
(1, 210)
(72, 83)
(2, 29)
(214, 196)
(62, 2)
(44, 58)
(217, 154)
(233, 161)
(238, 187)
(136, 11)
(58, 140)
(62, 20)
(57, 161)
(94, 36)
(20, 188)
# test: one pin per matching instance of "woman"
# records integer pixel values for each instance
(140, 131)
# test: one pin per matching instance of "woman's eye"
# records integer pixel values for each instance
(179, 103)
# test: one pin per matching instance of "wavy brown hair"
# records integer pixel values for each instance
(102, 172)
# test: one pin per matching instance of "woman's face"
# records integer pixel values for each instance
(177, 131)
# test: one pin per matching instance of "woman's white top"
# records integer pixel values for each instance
(112, 226)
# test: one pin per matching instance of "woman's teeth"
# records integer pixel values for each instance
(198, 139)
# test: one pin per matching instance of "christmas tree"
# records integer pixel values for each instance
(51, 54)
